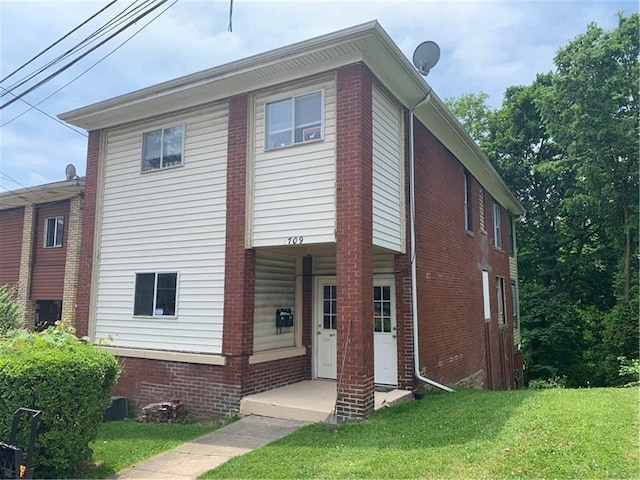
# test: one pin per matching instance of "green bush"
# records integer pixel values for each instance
(10, 310)
(67, 379)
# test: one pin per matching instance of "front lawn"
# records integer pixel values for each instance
(123, 443)
(589, 433)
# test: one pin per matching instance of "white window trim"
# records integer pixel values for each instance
(501, 301)
(162, 129)
(56, 235)
(280, 98)
(485, 295)
(497, 226)
(468, 204)
(155, 293)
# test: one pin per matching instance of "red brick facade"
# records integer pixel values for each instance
(456, 344)
(354, 250)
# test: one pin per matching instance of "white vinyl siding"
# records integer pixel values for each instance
(293, 191)
(169, 221)
(275, 288)
(513, 274)
(388, 174)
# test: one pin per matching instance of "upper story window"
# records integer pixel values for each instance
(467, 201)
(497, 226)
(53, 230)
(293, 120)
(512, 237)
(162, 148)
(155, 294)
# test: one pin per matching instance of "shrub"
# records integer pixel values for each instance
(67, 379)
(553, 382)
(630, 371)
(10, 310)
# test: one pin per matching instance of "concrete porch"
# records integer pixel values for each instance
(309, 400)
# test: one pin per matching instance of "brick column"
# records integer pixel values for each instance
(354, 255)
(239, 277)
(72, 262)
(26, 262)
(307, 313)
(89, 212)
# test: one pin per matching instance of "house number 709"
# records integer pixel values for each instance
(295, 240)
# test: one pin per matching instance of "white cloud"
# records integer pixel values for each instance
(486, 46)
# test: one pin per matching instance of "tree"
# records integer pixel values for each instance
(567, 146)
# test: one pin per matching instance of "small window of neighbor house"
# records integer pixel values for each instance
(53, 230)
(293, 120)
(497, 226)
(162, 148)
(468, 206)
(155, 294)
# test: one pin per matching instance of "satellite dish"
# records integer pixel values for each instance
(426, 56)
(70, 171)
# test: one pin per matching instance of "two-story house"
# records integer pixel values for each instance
(40, 234)
(249, 227)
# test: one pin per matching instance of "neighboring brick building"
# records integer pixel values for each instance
(247, 227)
(40, 235)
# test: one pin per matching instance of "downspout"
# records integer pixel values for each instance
(414, 287)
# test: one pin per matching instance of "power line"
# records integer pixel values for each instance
(128, 12)
(60, 70)
(44, 113)
(81, 74)
(23, 186)
(56, 42)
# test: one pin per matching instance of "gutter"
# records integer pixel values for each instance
(414, 286)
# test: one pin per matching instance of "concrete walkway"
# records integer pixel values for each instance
(205, 453)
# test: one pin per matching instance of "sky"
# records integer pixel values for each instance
(486, 46)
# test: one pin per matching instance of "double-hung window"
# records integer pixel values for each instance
(155, 294)
(53, 230)
(162, 148)
(512, 235)
(497, 226)
(514, 304)
(501, 301)
(293, 120)
(467, 201)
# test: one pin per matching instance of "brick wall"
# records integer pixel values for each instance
(449, 265)
(354, 259)
(26, 262)
(202, 388)
(72, 261)
(88, 233)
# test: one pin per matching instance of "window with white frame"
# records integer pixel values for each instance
(162, 148)
(512, 235)
(155, 294)
(293, 120)
(497, 226)
(500, 299)
(53, 230)
(467, 201)
(514, 304)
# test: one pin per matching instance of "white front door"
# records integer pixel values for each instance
(385, 349)
(326, 321)
(384, 333)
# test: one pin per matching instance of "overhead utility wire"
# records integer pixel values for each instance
(23, 186)
(56, 42)
(81, 74)
(110, 25)
(44, 113)
(68, 65)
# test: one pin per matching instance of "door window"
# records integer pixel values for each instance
(382, 309)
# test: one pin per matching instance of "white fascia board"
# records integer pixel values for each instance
(92, 117)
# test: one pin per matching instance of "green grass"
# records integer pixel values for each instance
(123, 443)
(590, 433)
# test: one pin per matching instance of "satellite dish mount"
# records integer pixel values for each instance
(70, 172)
(426, 56)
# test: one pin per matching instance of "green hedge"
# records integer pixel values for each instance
(69, 380)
